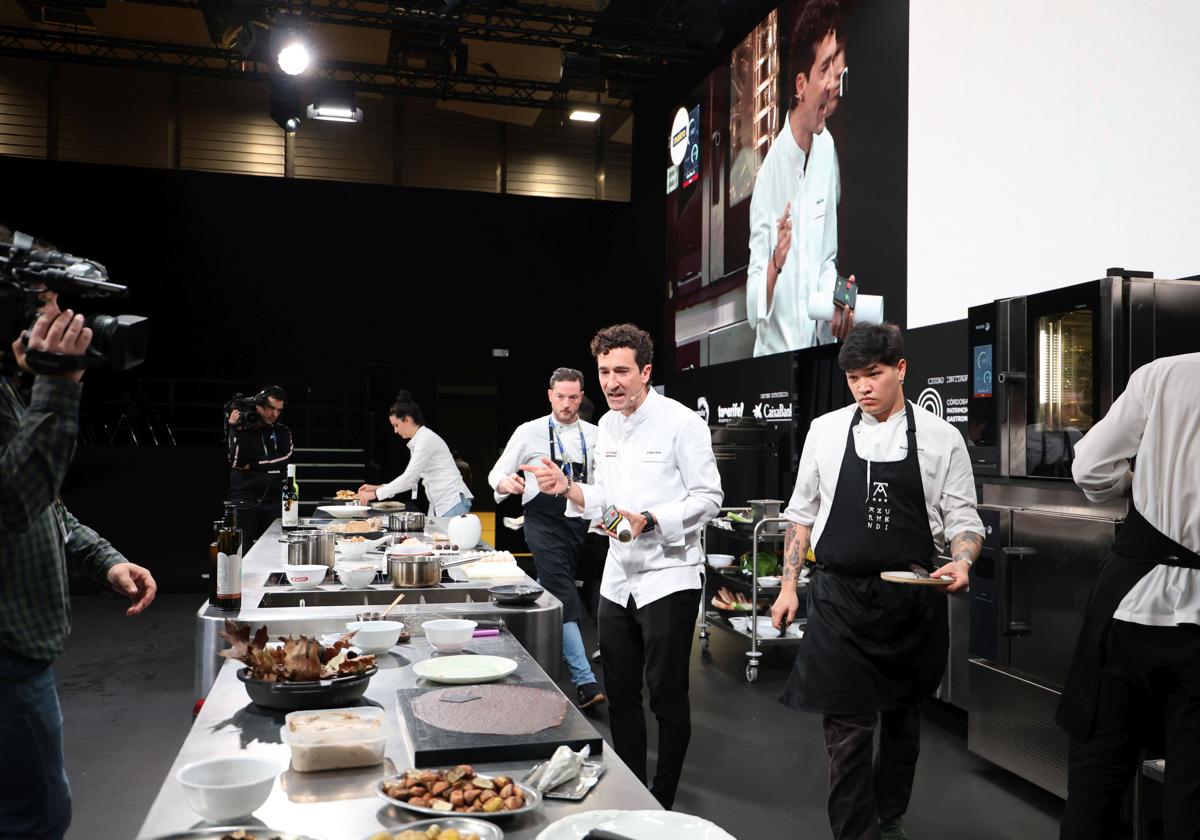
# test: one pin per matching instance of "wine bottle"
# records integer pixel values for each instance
(291, 499)
(229, 562)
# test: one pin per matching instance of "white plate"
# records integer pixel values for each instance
(344, 511)
(636, 825)
(465, 669)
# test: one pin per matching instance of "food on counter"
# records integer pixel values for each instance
(502, 709)
(354, 539)
(346, 494)
(740, 518)
(242, 834)
(726, 600)
(768, 563)
(459, 790)
(296, 660)
(413, 542)
(355, 526)
(434, 832)
(387, 505)
(335, 739)
(439, 538)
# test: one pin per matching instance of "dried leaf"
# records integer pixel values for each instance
(238, 638)
(301, 659)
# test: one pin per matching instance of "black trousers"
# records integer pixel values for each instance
(254, 518)
(867, 787)
(591, 572)
(657, 640)
(1149, 691)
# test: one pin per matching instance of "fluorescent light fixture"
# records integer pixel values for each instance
(294, 58)
(580, 115)
(335, 113)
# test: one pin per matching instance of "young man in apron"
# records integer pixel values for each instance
(1135, 678)
(882, 486)
(557, 541)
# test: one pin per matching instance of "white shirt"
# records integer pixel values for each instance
(811, 263)
(1156, 420)
(431, 463)
(530, 443)
(659, 459)
(946, 475)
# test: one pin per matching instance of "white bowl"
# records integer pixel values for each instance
(344, 511)
(305, 577)
(768, 582)
(447, 634)
(721, 561)
(353, 550)
(376, 636)
(225, 790)
(355, 575)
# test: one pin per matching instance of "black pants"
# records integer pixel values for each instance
(1149, 690)
(868, 787)
(557, 545)
(655, 639)
(591, 572)
(254, 518)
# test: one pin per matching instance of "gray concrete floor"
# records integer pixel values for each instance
(754, 767)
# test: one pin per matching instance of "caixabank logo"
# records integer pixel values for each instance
(702, 408)
(773, 412)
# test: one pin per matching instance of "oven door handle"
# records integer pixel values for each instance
(1011, 376)
(1008, 556)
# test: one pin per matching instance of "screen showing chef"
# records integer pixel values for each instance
(756, 245)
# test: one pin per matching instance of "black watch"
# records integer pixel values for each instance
(651, 522)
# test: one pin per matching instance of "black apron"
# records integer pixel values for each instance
(871, 645)
(1138, 548)
(555, 539)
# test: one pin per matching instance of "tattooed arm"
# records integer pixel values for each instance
(964, 551)
(795, 547)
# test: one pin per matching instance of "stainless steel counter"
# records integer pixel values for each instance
(340, 804)
(328, 608)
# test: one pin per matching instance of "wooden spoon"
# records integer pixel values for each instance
(399, 598)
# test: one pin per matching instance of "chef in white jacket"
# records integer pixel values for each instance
(655, 463)
(1134, 681)
(793, 210)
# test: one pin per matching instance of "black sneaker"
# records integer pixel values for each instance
(589, 695)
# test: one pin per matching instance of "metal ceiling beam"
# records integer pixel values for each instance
(496, 20)
(85, 48)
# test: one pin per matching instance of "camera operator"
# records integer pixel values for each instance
(40, 542)
(259, 448)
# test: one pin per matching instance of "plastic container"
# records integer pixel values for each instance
(335, 738)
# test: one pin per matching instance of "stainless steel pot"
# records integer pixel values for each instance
(408, 520)
(764, 508)
(415, 570)
(299, 550)
(322, 546)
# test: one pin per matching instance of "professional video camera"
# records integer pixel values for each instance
(25, 272)
(247, 409)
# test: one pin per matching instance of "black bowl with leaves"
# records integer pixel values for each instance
(289, 696)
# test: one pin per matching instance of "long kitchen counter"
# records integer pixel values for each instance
(327, 609)
(341, 804)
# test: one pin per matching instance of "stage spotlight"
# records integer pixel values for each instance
(293, 56)
(583, 115)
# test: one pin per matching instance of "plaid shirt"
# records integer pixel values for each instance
(38, 536)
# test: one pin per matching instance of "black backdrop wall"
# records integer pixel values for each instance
(270, 280)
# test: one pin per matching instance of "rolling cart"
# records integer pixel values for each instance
(736, 582)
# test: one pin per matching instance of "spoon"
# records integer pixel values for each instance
(399, 598)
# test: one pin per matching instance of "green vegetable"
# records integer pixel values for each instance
(734, 516)
(768, 563)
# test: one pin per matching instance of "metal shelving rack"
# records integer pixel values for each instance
(711, 617)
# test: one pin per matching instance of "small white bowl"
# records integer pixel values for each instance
(449, 634)
(721, 561)
(353, 550)
(376, 636)
(355, 575)
(225, 790)
(768, 582)
(305, 577)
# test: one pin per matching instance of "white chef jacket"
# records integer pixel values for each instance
(811, 263)
(530, 443)
(946, 475)
(659, 459)
(432, 463)
(1154, 419)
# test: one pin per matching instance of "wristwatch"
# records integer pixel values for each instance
(651, 522)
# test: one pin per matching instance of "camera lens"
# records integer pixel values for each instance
(120, 339)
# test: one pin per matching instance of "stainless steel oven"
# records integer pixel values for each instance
(1046, 367)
